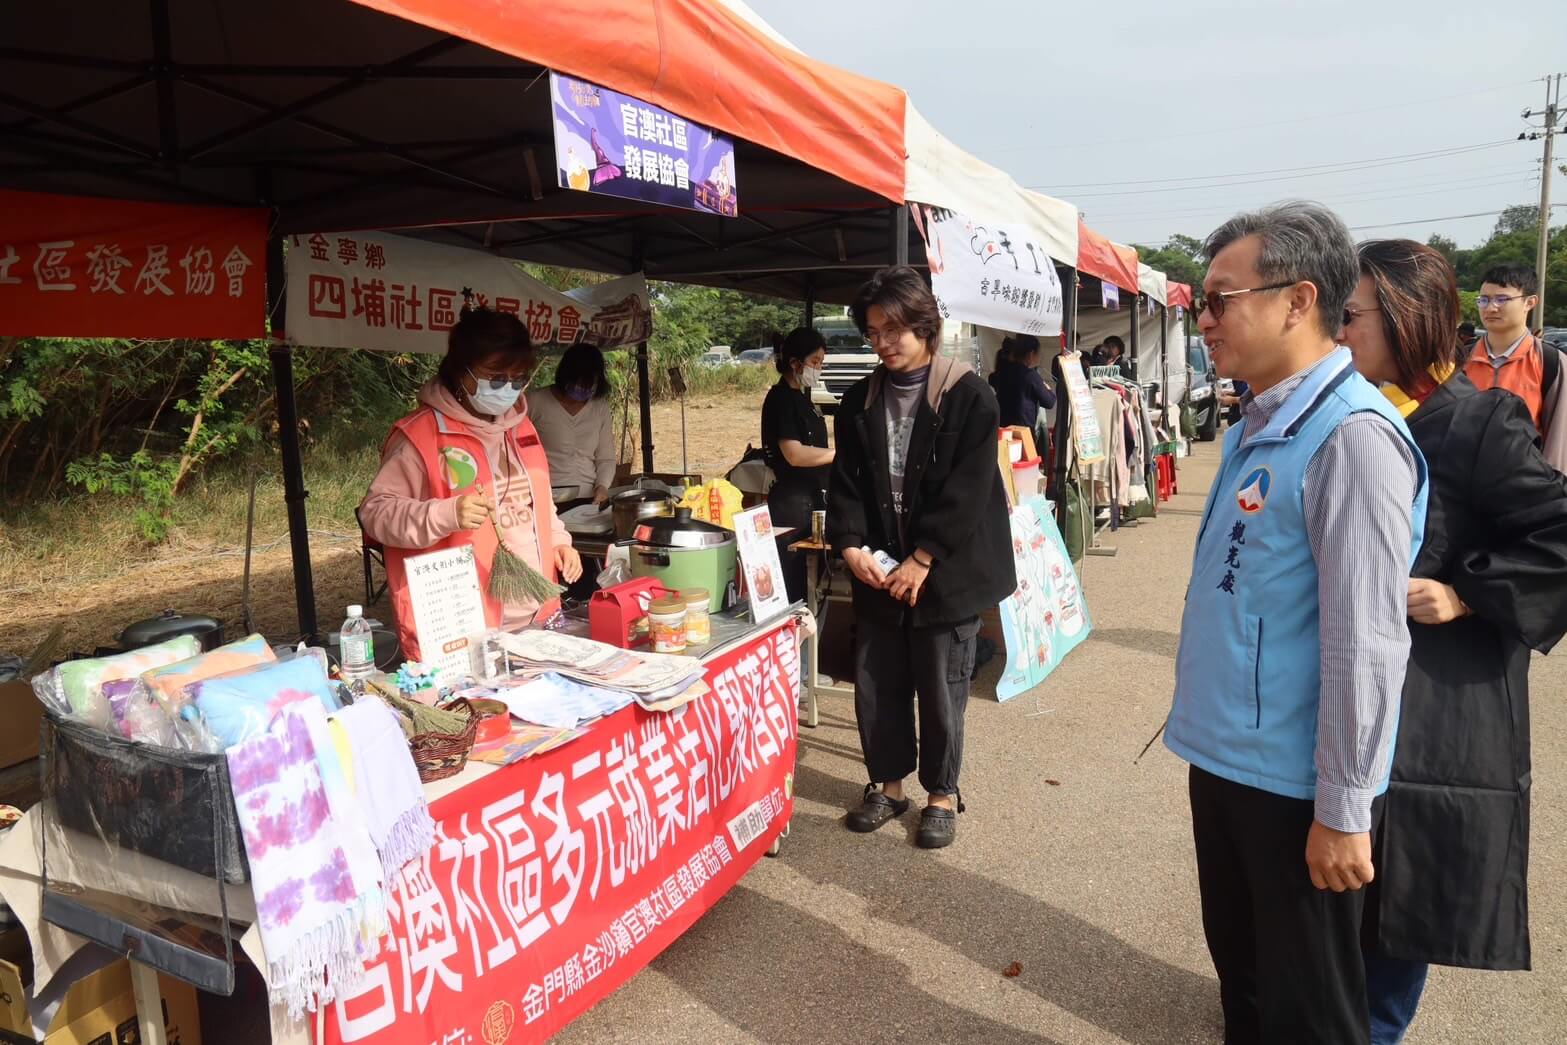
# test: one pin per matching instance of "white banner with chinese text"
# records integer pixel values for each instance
(993, 275)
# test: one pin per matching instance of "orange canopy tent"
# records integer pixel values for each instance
(1103, 259)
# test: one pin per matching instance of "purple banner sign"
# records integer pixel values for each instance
(612, 143)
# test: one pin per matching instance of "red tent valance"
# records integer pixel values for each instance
(1105, 260)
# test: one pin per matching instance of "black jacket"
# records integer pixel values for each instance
(1453, 851)
(957, 506)
(1021, 394)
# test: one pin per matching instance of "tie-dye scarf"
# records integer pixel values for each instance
(307, 863)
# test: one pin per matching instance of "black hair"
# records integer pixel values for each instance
(901, 293)
(1115, 342)
(1520, 276)
(582, 365)
(483, 334)
(1466, 329)
(1018, 347)
(801, 344)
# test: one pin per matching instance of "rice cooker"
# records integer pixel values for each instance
(683, 552)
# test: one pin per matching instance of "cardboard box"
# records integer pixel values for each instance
(20, 714)
(99, 1009)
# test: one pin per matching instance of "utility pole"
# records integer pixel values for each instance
(1553, 112)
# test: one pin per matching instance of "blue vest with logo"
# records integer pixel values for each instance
(1247, 675)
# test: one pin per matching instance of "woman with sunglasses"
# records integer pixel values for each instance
(467, 468)
(1452, 855)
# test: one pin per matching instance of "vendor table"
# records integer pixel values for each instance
(553, 880)
(816, 562)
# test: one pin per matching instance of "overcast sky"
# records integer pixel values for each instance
(1069, 98)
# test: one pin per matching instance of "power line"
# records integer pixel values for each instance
(1270, 123)
(1423, 221)
(1344, 169)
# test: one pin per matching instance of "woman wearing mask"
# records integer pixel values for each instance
(794, 441)
(1451, 855)
(575, 422)
(467, 468)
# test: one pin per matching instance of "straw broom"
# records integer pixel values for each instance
(513, 580)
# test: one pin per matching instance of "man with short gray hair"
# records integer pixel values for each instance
(1293, 639)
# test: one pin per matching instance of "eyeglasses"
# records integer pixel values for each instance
(885, 337)
(1486, 300)
(1350, 314)
(498, 383)
(1215, 302)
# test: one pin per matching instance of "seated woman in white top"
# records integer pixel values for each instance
(574, 422)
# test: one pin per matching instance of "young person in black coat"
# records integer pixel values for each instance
(915, 476)
(1488, 586)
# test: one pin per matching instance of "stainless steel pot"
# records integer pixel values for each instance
(631, 507)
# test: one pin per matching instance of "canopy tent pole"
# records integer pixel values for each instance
(294, 492)
(900, 235)
(644, 381)
(1164, 359)
(1063, 427)
(809, 319)
(1137, 322)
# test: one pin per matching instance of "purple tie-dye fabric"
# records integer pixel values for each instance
(309, 911)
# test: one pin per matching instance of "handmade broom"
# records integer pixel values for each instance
(514, 580)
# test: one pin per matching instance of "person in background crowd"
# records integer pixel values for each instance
(1231, 401)
(794, 444)
(1020, 390)
(467, 468)
(1453, 853)
(1466, 336)
(1113, 353)
(1508, 356)
(576, 425)
(915, 477)
(1293, 640)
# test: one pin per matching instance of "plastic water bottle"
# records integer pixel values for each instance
(356, 650)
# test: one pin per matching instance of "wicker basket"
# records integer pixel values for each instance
(441, 755)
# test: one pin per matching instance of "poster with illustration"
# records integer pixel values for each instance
(764, 581)
(1047, 616)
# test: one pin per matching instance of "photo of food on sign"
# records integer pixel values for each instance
(611, 143)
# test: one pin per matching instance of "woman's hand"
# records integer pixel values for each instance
(473, 509)
(568, 563)
(1432, 602)
(600, 494)
(905, 582)
(864, 568)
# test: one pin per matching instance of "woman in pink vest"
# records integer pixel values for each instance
(467, 467)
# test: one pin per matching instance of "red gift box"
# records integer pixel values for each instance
(614, 614)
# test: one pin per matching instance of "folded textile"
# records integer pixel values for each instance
(75, 688)
(309, 907)
(240, 705)
(386, 784)
(168, 682)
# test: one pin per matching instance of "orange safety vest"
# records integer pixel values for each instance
(1523, 374)
(454, 462)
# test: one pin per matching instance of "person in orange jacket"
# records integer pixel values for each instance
(1508, 356)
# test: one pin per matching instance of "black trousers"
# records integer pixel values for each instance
(791, 504)
(893, 664)
(1287, 953)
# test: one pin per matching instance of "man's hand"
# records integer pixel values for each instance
(1338, 861)
(600, 494)
(568, 562)
(905, 582)
(864, 568)
(473, 509)
(1432, 602)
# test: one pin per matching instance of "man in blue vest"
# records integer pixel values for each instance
(1294, 640)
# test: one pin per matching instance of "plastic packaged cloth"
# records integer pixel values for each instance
(75, 688)
(715, 501)
(242, 704)
(168, 683)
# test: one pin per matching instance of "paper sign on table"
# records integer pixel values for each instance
(764, 581)
(448, 607)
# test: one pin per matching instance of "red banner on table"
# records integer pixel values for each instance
(555, 880)
(80, 266)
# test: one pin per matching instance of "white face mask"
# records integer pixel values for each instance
(810, 376)
(487, 399)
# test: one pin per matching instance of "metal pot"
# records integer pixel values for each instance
(168, 625)
(631, 507)
(682, 552)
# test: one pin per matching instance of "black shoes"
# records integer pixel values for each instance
(938, 828)
(876, 809)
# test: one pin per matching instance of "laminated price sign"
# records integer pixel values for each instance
(448, 609)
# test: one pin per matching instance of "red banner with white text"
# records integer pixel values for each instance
(80, 266)
(555, 880)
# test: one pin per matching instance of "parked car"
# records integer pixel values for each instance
(1203, 396)
(849, 358)
(715, 359)
(755, 356)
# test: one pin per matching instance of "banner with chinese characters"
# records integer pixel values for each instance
(80, 266)
(398, 294)
(615, 144)
(1047, 616)
(988, 274)
(555, 880)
